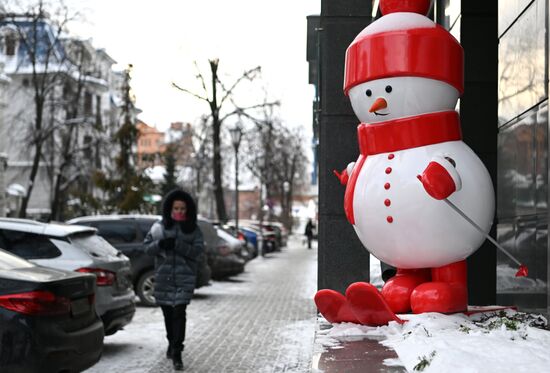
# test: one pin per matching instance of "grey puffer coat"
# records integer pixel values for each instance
(175, 270)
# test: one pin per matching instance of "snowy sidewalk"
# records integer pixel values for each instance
(499, 342)
(260, 321)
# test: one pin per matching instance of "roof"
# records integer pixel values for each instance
(49, 229)
(89, 218)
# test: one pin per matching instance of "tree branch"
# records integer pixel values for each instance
(249, 74)
(189, 92)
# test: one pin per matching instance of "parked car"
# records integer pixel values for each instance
(48, 322)
(251, 236)
(270, 242)
(280, 231)
(221, 258)
(77, 248)
(239, 246)
(126, 233)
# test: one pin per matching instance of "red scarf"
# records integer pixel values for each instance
(400, 134)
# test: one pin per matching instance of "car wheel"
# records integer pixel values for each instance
(146, 287)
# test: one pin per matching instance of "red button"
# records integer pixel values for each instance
(387, 186)
(388, 170)
(391, 156)
(389, 219)
(387, 202)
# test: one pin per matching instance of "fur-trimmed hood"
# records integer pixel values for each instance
(190, 223)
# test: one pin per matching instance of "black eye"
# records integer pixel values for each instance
(388, 88)
(369, 92)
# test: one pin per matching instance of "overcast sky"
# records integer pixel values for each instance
(163, 38)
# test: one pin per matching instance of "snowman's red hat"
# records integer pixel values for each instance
(404, 43)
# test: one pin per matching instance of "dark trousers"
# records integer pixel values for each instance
(174, 321)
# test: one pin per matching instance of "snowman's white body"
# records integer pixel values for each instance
(423, 232)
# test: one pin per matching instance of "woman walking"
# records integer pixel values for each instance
(309, 232)
(177, 244)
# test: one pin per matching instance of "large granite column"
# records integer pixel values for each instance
(342, 258)
(4, 81)
(478, 115)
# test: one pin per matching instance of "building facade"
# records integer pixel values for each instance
(150, 146)
(81, 100)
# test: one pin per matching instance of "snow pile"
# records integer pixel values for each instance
(504, 341)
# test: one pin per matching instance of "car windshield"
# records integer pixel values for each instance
(93, 244)
(8, 261)
(209, 233)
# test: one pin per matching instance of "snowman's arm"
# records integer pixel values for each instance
(344, 175)
(440, 178)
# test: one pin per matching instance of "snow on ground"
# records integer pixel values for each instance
(506, 341)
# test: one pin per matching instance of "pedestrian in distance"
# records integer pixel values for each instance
(309, 232)
(177, 244)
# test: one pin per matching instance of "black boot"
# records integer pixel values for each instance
(176, 359)
(169, 352)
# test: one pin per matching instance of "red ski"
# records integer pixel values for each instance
(364, 304)
(368, 305)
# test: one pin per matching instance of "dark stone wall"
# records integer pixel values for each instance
(478, 115)
(342, 258)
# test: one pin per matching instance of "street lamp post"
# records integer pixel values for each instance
(236, 134)
(286, 210)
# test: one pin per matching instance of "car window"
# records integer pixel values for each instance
(93, 244)
(145, 226)
(116, 232)
(8, 261)
(209, 233)
(28, 245)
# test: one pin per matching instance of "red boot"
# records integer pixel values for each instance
(397, 291)
(447, 293)
(334, 306)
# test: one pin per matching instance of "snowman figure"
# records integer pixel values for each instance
(404, 75)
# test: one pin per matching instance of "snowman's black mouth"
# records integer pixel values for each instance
(375, 113)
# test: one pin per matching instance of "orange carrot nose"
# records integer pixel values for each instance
(380, 103)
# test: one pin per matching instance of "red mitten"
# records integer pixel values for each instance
(342, 176)
(440, 179)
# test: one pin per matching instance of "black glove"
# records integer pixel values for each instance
(167, 243)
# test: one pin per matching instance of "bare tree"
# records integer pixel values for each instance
(218, 97)
(290, 173)
(278, 161)
(71, 155)
(39, 36)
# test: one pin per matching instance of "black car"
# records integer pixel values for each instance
(126, 233)
(48, 322)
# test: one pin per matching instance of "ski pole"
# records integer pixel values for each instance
(522, 271)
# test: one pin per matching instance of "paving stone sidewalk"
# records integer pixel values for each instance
(260, 321)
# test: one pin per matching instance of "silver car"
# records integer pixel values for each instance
(77, 248)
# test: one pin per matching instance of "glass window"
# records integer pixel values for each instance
(522, 72)
(88, 103)
(117, 231)
(508, 11)
(145, 226)
(28, 245)
(10, 44)
(209, 233)
(93, 244)
(448, 12)
(8, 261)
(518, 179)
(541, 163)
